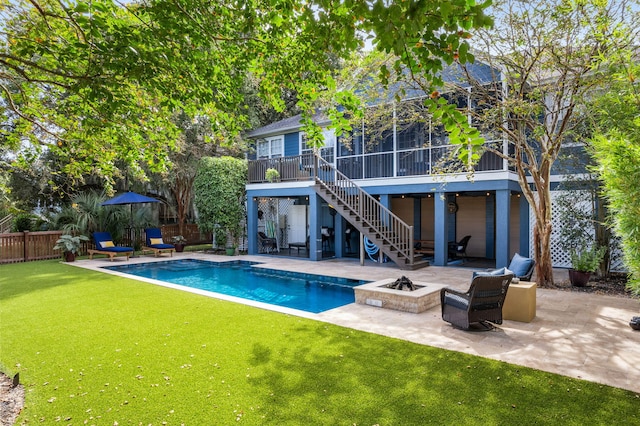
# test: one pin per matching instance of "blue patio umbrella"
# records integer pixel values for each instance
(130, 198)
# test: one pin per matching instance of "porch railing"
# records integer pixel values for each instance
(296, 168)
(415, 162)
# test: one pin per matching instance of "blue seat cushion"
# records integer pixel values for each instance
(161, 246)
(456, 301)
(520, 265)
(117, 249)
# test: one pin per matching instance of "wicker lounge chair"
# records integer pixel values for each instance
(105, 245)
(155, 243)
(481, 304)
(266, 244)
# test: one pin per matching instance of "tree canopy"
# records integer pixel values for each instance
(96, 81)
(548, 59)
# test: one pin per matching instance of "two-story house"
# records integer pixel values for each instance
(385, 182)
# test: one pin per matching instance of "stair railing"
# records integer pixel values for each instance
(5, 224)
(389, 227)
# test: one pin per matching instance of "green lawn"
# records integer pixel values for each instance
(97, 349)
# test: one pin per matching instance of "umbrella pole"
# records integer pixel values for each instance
(132, 231)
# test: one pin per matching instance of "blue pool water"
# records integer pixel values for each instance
(306, 292)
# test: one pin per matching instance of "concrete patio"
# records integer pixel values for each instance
(580, 335)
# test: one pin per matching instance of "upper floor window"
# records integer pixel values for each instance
(326, 152)
(412, 124)
(378, 129)
(271, 147)
(328, 136)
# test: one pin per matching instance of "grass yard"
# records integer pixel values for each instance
(97, 349)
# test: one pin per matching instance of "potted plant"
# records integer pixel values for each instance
(223, 240)
(70, 245)
(179, 242)
(584, 263)
(272, 175)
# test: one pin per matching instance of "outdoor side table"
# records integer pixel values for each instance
(520, 303)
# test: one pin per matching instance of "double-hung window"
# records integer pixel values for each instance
(271, 147)
(326, 152)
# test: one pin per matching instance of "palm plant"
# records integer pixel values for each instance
(86, 215)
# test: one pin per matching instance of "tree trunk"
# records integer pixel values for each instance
(542, 253)
(541, 206)
(182, 193)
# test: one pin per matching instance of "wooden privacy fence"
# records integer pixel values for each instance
(25, 246)
(190, 232)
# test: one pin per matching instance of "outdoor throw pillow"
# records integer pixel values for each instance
(155, 241)
(106, 244)
(520, 265)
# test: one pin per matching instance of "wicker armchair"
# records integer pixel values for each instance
(266, 244)
(481, 304)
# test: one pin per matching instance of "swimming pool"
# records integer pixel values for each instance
(238, 278)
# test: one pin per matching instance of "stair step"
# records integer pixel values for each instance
(369, 222)
(416, 265)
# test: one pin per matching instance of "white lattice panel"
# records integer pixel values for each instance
(274, 220)
(559, 256)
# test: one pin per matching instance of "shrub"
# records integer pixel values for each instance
(23, 222)
(588, 259)
(220, 196)
(70, 243)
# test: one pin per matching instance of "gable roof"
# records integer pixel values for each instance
(288, 125)
(482, 72)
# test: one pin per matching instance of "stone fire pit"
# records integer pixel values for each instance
(378, 294)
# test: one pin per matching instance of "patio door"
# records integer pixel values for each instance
(298, 224)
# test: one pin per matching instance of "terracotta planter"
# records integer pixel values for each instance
(179, 247)
(69, 256)
(579, 278)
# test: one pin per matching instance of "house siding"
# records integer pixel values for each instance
(471, 220)
(403, 208)
(427, 222)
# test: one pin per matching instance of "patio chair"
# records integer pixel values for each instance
(299, 245)
(328, 235)
(481, 304)
(105, 245)
(459, 249)
(522, 267)
(266, 244)
(155, 243)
